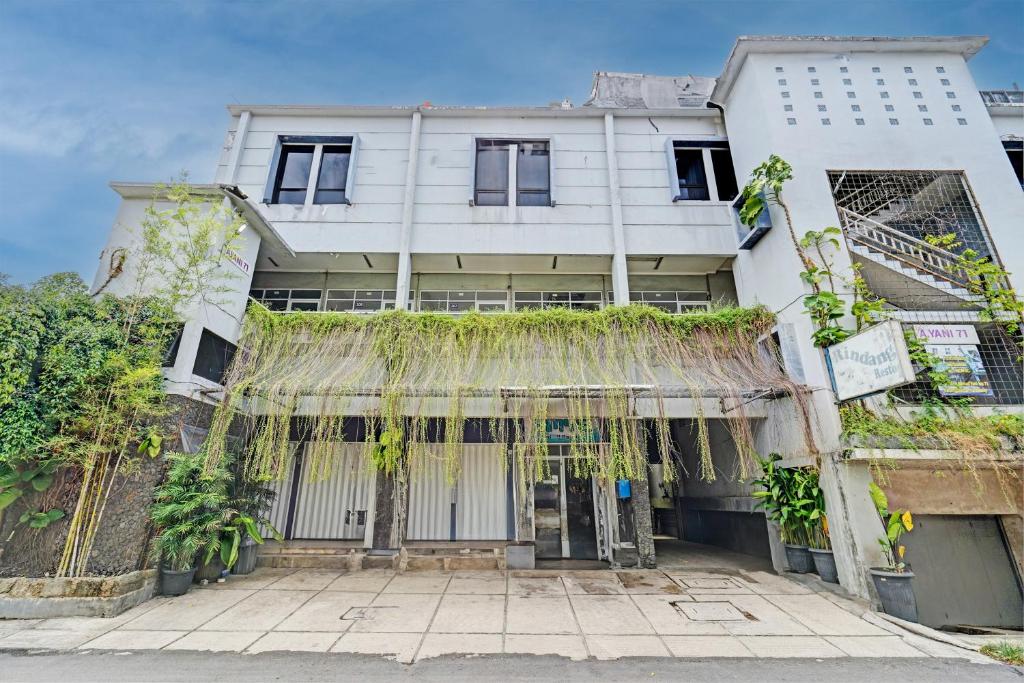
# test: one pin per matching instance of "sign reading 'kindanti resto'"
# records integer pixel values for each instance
(871, 361)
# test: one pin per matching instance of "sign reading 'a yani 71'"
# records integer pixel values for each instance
(869, 362)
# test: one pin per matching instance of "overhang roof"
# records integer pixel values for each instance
(967, 46)
(460, 111)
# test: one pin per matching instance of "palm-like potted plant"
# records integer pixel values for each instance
(818, 534)
(784, 496)
(893, 582)
(187, 512)
(252, 501)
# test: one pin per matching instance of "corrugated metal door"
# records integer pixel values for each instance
(481, 509)
(283, 492)
(430, 499)
(336, 508)
(479, 497)
(963, 572)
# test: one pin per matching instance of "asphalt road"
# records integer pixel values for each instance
(292, 666)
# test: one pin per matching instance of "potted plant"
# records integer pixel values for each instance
(784, 499)
(818, 537)
(251, 501)
(187, 512)
(893, 582)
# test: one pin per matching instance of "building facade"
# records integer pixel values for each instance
(629, 197)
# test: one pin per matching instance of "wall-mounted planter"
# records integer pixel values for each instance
(749, 236)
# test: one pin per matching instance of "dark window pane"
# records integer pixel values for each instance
(668, 306)
(305, 305)
(693, 183)
(364, 305)
(256, 293)
(293, 174)
(171, 355)
(527, 296)
(276, 304)
(433, 296)
(486, 308)
(370, 294)
(305, 293)
(533, 177)
(725, 175)
(587, 307)
(491, 175)
(490, 296)
(213, 357)
(533, 199)
(461, 306)
(339, 305)
(586, 296)
(556, 296)
(333, 173)
(340, 294)
(528, 305)
(433, 305)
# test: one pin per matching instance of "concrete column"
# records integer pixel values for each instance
(641, 497)
(620, 276)
(408, 204)
(853, 523)
(237, 145)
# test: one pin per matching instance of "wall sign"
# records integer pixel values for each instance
(869, 362)
(561, 430)
(235, 258)
(957, 347)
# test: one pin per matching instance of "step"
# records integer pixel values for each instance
(923, 277)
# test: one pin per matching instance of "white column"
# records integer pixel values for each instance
(620, 277)
(237, 145)
(408, 204)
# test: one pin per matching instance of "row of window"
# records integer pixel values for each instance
(465, 301)
(319, 170)
(874, 70)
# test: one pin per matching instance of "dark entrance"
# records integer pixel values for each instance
(579, 509)
(564, 520)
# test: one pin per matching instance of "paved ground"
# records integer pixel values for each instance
(187, 667)
(416, 616)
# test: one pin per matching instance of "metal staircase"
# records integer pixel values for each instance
(930, 271)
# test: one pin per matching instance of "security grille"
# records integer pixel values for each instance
(1000, 355)
(917, 203)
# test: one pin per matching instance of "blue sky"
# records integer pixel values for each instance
(98, 91)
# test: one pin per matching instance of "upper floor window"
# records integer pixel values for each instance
(502, 164)
(213, 357)
(464, 301)
(288, 299)
(361, 300)
(312, 170)
(689, 162)
(585, 301)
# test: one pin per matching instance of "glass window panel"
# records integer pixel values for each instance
(305, 293)
(276, 304)
(556, 296)
(533, 198)
(276, 293)
(256, 293)
(362, 305)
(532, 171)
(329, 197)
(291, 197)
(305, 305)
(492, 169)
(433, 296)
(491, 296)
(659, 296)
(693, 183)
(528, 305)
(372, 294)
(492, 307)
(586, 296)
(528, 296)
(433, 305)
(668, 306)
(391, 294)
(692, 296)
(339, 305)
(340, 294)
(461, 306)
(333, 168)
(633, 296)
(587, 306)
(725, 174)
(293, 174)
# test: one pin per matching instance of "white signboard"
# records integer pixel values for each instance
(871, 361)
(956, 346)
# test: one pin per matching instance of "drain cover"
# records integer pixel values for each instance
(709, 611)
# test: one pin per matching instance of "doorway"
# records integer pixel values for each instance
(565, 514)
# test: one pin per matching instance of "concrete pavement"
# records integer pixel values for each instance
(416, 616)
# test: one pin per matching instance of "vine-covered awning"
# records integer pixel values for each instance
(402, 370)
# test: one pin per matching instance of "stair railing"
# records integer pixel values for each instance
(915, 253)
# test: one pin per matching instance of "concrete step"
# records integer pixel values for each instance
(920, 276)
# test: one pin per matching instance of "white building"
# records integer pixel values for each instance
(627, 198)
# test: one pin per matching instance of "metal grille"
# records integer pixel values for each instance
(1001, 357)
(916, 203)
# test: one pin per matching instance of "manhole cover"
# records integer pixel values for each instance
(710, 583)
(709, 611)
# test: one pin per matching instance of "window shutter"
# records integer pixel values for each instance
(350, 179)
(472, 170)
(551, 170)
(670, 164)
(268, 192)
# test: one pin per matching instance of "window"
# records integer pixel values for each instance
(1015, 153)
(822, 107)
(927, 122)
(818, 95)
(288, 299)
(778, 69)
(791, 121)
(940, 69)
(782, 81)
(876, 70)
(851, 94)
(889, 107)
(693, 182)
(213, 358)
(464, 301)
(854, 107)
(312, 170)
(826, 122)
(362, 300)
(956, 107)
(962, 122)
(787, 107)
(911, 81)
(918, 95)
(944, 81)
(894, 122)
(811, 69)
(673, 302)
(859, 122)
(908, 70)
(950, 95)
(847, 81)
(725, 175)
(880, 81)
(785, 94)
(884, 95)
(922, 107)
(815, 81)
(171, 354)
(585, 301)
(532, 172)
(843, 70)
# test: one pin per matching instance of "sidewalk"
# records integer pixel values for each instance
(419, 615)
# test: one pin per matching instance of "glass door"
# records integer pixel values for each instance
(547, 514)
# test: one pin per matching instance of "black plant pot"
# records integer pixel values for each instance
(798, 557)
(210, 572)
(896, 593)
(825, 564)
(175, 582)
(246, 562)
